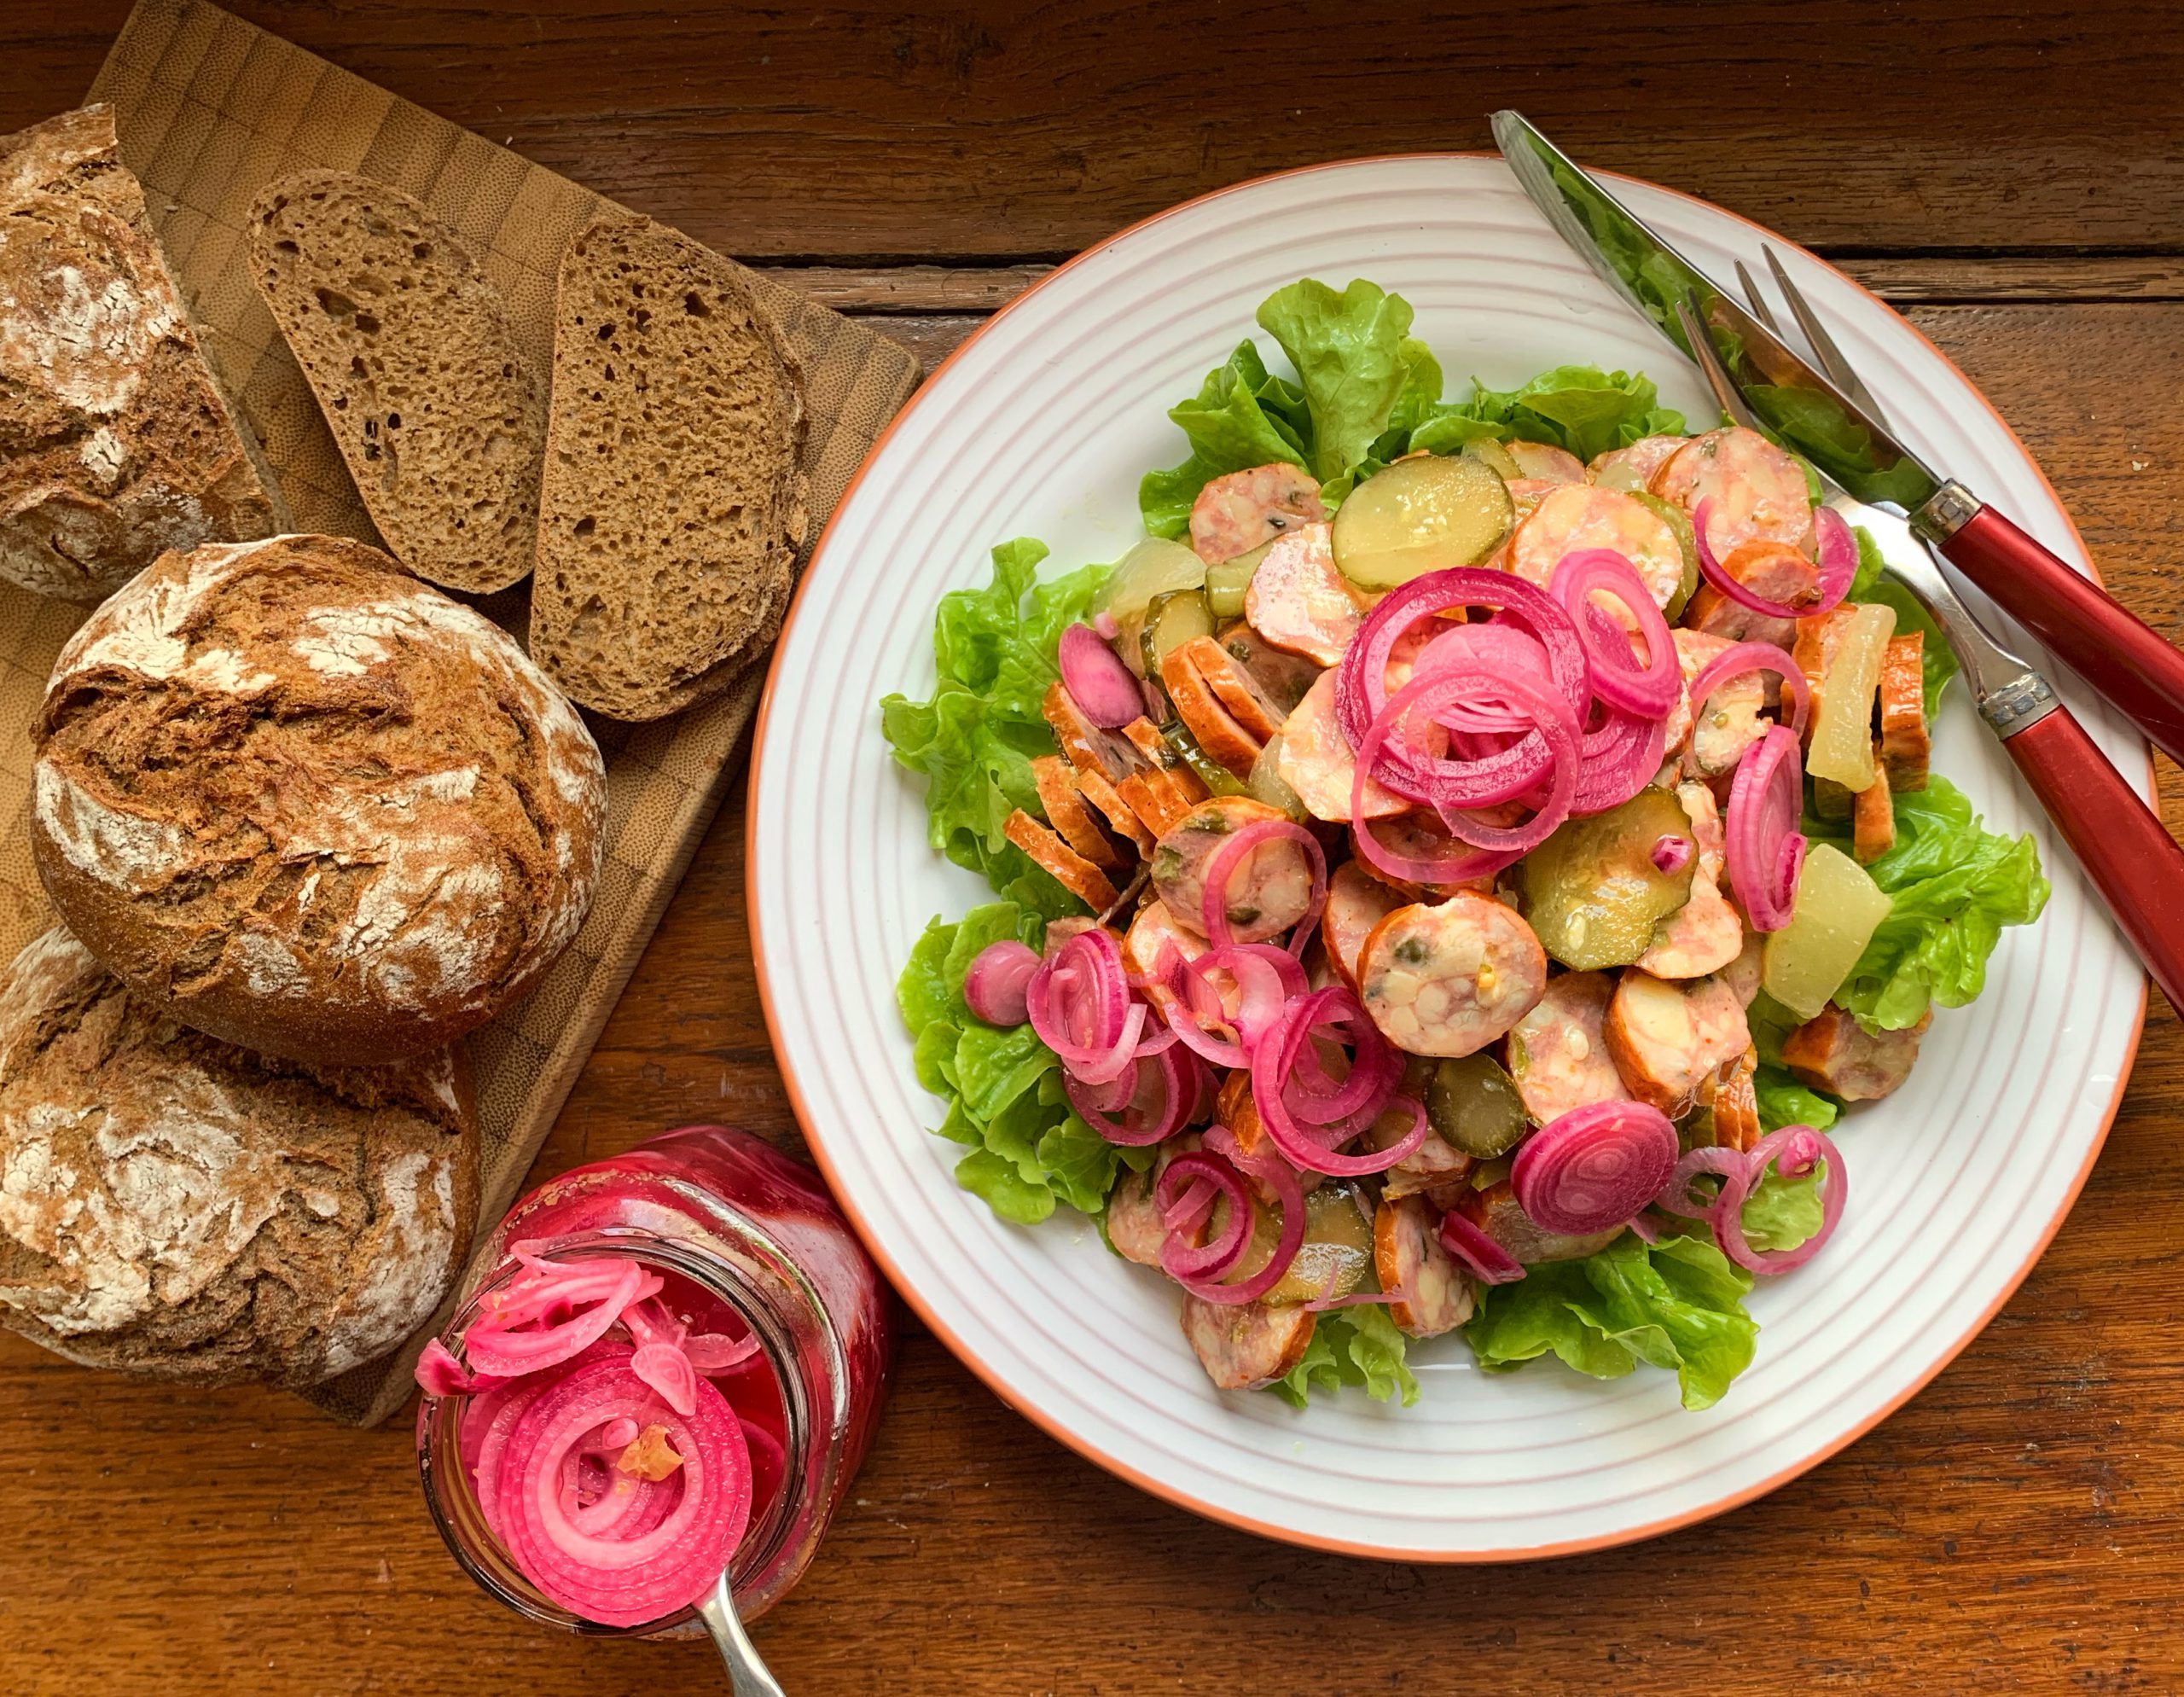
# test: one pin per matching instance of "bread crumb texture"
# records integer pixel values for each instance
(672, 507)
(310, 804)
(177, 1207)
(115, 440)
(407, 344)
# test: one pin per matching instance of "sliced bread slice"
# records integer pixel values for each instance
(407, 344)
(672, 506)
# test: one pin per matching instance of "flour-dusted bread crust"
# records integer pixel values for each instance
(177, 1207)
(672, 506)
(115, 440)
(407, 344)
(308, 804)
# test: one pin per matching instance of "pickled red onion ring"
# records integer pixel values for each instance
(1837, 563)
(1594, 1167)
(1671, 853)
(1337, 1116)
(1096, 679)
(1797, 1148)
(691, 1521)
(710, 1353)
(1078, 1002)
(1708, 1160)
(438, 1374)
(1222, 865)
(1732, 662)
(1289, 1198)
(1156, 1100)
(551, 1312)
(1836, 550)
(1263, 978)
(1460, 866)
(1182, 1261)
(1487, 1261)
(1765, 851)
(1618, 680)
(994, 988)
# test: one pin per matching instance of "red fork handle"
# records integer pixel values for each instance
(2125, 850)
(2137, 671)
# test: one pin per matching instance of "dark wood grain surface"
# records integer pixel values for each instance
(2012, 176)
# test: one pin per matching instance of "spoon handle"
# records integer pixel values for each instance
(747, 1673)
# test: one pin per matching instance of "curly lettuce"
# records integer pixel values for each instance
(1358, 1346)
(975, 739)
(1676, 1305)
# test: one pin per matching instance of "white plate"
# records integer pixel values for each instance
(1041, 425)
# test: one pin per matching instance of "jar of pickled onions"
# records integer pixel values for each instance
(664, 1364)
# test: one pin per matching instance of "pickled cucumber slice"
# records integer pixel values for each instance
(1473, 1104)
(1592, 891)
(1421, 515)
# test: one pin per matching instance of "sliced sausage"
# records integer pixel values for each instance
(1728, 721)
(1448, 978)
(1205, 714)
(1420, 834)
(1069, 869)
(1152, 934)
(1407, 1255)
(1248, 1345)
(1759, 493)
(1297, 600)
(1558, 1052)
(1835, 1053)
(1705, 934)
(1268, 892)
(1873, 821)
(1435, 1167)
(1634, 468)
(1064, 801)
(1237, 689)
(1904, 742)
(1122, 818)
(1317, 762)
(1089, 749)
(1578, 515)
(1546, 463)
(1234, 515)
(1284, 676)
(1357, 901)
(1666, 1036)
(1771, 570)
(1497, 1211)
(1742, 975)
(1730, 1100)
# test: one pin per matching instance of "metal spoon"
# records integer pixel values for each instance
(747, 1673)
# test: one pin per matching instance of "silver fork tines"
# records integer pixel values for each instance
(1832, 364)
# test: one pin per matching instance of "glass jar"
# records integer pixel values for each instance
(747, 1228)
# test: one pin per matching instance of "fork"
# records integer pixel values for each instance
(2127, 853)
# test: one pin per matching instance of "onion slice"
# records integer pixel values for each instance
(994, 988)
(1617, 679)
(1594, 1167)
(1765, 851)
(1792, 1150)
(1734, 662)
(1096, 679)
(1225, 861)
(1488, 1261)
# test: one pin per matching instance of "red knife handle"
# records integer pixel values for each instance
(2137, 670)
(2130, 856)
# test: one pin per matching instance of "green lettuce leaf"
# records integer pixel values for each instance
(1952, 886)
(974, 740)
(1241, 417)
(1677, 1305)
(1937, 660)
(1577, 407)
(1784, 1101)
(1357, 1345)
(1027, 1150)
(1781, 1214)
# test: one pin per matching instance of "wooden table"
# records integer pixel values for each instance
(2012, 176)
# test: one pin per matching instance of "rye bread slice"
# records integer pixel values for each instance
(117, 441)
(407, 344)
(672, 506)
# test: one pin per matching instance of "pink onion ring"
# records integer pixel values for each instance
(1182, 1261)
(1734, 662)
(1796, 1147)
(1289, 1198)
(1618, 680)
(994, 987)
(551, 1312)
(1837, 551)
(1454, 785)
(1833, 583)
(1671, 854)
(1675, 1196)
(1279, 1079)
(1263, 978)
(1487, 1261)
(1765, 851)
(1594, 1167)
(1459, 865)
(1078, 1002)
(1155, 1101)
(1222, 864)
(1096, 679)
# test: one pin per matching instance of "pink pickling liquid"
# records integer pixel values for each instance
(747, 1241)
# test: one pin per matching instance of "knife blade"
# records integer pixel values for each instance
(1794, 400)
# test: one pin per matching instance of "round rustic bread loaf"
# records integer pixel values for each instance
(310, 804)
(177, 1207)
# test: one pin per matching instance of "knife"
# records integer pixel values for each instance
(2117, 654)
